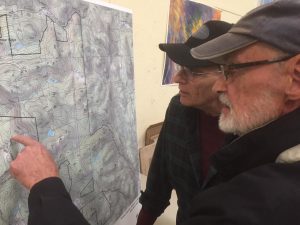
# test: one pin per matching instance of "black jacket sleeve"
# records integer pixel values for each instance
(50, 204)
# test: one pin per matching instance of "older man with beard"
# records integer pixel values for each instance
(255, 180)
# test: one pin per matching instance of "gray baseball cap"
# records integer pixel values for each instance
(276, 23)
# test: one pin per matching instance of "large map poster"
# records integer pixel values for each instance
(66, 79)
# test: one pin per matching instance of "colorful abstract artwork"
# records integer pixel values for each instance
(185, 17)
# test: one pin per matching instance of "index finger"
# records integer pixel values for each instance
(24, 140)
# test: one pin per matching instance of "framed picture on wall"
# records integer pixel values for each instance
(185, 17)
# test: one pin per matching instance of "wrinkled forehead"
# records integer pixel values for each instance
(253, 52)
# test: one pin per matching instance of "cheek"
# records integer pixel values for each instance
(203, 89)
(242, 96)
(239, 96)
(206, 86)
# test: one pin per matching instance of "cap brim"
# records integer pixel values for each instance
(221, 46)
(180, 54)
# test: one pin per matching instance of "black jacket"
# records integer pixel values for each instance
(248, 186)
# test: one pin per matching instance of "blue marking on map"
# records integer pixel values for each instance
(52, 81)
(19, 45)
(51, 133)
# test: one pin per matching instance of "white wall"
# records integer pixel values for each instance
(150, 19)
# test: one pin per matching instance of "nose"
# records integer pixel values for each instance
(180, 77)
(220, 85)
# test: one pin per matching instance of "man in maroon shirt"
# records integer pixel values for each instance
(190, 132)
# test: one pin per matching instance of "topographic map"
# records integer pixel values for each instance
(66, 79)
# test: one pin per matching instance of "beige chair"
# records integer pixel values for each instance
(146, 152)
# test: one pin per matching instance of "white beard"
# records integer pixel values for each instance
(255, 115)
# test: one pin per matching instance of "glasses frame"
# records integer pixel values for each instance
(226, 69)
(188, 71)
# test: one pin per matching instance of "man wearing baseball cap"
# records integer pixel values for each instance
(190, 132)
(256, 178)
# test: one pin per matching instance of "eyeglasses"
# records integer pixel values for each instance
(227, 70)
(190, 72)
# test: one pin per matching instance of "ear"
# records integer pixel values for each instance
(293, 73)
